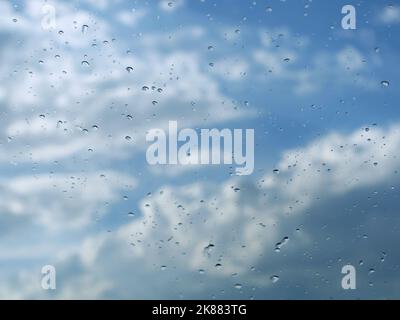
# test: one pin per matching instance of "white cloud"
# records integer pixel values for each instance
(390, 15)
(236, 224)
(344, 67)
(59, 109)
(233, 69)
(100, 4)
(60, 88)
(62, 201)
(130, 18)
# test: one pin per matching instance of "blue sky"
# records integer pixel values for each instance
(312, 92)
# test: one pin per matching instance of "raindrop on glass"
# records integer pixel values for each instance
(238, 286)
(84, 28)
(385, 83)
(371, 271)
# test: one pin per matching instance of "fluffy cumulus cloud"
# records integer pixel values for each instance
(390, 15)
(77, 89)
(284, 56)
(77, 99)
(27, 197)
(239, 232)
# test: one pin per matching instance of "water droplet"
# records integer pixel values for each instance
(145, 88)
(385, 83)
(85, 63)
(129, 69)
(371, 271)
(238, 286)
(84, 28)
(218, 266)
(60, 32)
(128, 138)
(210, 48)
(95, 127)
(274, 278)
(208, 249)
(275, 171)
(269, 9)
(163, 268)
(42, 116)
(125, 197)
(14, 20)
(281, 243)
(286, 59)
(201, 271)
(131, 214)
(154, 102)
(377, 49)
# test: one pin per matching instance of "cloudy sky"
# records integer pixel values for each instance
(82, 82)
